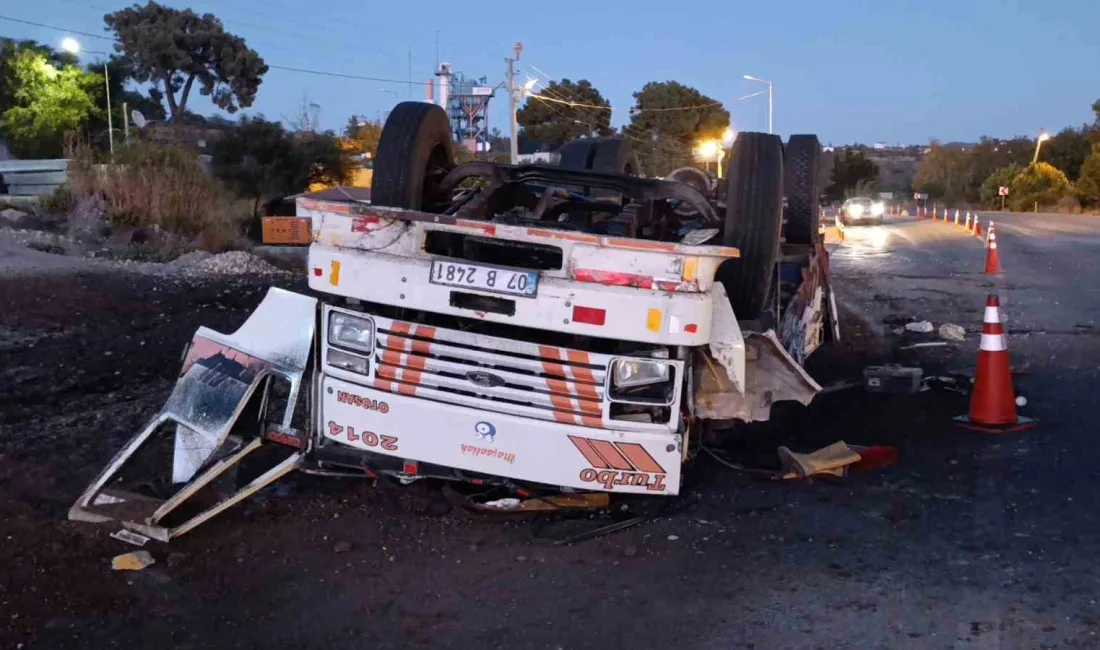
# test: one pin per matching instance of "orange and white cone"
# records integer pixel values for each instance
(992, 400)
(957, 217)
(967, 226)
(977, 227)
(992, 255)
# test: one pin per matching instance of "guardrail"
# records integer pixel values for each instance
(34, 177)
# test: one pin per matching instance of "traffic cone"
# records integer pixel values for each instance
(967, 226)
(957, 217)
(992, 256)
(977, 227)
(992, 399)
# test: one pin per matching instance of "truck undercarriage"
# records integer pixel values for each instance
(567, 329)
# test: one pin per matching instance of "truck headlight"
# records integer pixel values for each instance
(640, 381)
(628, 373)
(877, 209)
(352, 332)
(855, 210)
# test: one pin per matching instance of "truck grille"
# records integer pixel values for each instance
(545, 382)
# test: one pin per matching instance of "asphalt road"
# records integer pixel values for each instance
(968, 542)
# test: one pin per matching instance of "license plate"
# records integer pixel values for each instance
(485, 278)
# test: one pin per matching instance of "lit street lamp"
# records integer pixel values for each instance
(771, 99)
(1043, 137)
(72, 46)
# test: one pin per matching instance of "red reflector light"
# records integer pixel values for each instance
(691, 328)
(410, 468)
(317, 271)
(589, 315)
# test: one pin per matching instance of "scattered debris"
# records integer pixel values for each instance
(892, 378)
(831, 461)
(952, 332)
(175, 559)
(926, 344)
(673, 538)
(508, 503)
(342, 547)
(1021, 400)
(135, 561)
(923, 327)
(130, 537)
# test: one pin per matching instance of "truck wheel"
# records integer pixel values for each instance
(414, 154)
(754, 216)
(615, 156)
(577, 154)
(803, 155)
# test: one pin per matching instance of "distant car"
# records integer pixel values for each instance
(861, 211)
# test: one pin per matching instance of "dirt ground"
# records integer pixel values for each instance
(969, 542)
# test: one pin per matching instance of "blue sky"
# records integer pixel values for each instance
(895, 71)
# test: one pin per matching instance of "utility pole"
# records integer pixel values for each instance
(513, 98)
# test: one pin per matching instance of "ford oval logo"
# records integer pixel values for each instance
(484, 379)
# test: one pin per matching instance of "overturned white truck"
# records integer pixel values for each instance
(549, 328)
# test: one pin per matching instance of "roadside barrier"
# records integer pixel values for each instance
(992, 399)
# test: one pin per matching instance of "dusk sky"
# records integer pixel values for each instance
(849, 70)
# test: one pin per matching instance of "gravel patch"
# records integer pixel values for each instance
(234, 263)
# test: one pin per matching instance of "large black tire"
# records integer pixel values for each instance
(414, 154)
(577, 154)
(615, 156)
(800, 184)
(754, 216)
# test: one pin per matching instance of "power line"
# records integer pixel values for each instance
(323, 73)
(60, 29)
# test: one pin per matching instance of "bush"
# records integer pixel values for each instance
(1038, 183)
(58, 202)
(162, 186)
(1088, 185)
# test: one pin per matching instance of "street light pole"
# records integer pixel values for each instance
(513, 99)
(71, 45)
(1043, 137)
(110, 125)
(771, 100)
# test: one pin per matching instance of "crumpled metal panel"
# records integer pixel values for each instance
(220, 373)
(727, 345)
(771, 375)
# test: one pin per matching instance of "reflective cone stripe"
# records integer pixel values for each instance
(993, 338)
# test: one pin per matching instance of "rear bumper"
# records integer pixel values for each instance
(520, 448)
(663, 318)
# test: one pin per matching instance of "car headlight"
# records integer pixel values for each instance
(353, 332)
(855, 210)
(877, 209)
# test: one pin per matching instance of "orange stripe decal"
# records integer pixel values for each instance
(611, 455)
(594, 422)
(392, 357)
(550, 358)
(416, 362)
(640, 458)
(584, 446)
